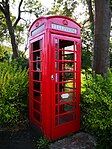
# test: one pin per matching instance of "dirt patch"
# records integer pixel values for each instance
(79, 140)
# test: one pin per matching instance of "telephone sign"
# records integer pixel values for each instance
(64, 28)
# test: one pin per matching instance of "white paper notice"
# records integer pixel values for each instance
(66, 95)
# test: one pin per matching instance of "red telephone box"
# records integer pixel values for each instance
(54, 75)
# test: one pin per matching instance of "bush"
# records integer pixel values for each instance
(21, 61)
(13, 93)
(42, 143)
(5, 53)
(97, 107)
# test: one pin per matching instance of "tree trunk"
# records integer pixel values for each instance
(91, 15)
(11, 33)
(102, 35)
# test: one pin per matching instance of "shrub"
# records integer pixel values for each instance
(42, 143)
(5, 53)
(13, 93)
(22, 61)
(97, 107)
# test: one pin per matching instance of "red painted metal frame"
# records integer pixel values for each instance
(49, 121)
(74, 125)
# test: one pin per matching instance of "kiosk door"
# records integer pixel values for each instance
(35, 86)
(66, 74)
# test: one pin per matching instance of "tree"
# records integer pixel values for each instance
(4, 34)
(12, 22)
(91, 14)
(102, 35)
(101, 20)
(87, 34)
(5, 9)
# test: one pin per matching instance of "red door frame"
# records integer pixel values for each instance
(31, 71)
(72, 126)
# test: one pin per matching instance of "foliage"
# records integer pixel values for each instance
(62, 7)
(86, 59)
(19, 33)
(5, 53)
(13, 93)
(3, 27)
(42, 143)
(33, 7)
(97, 107)
(111, 51)
(4, 34)
(22, 61)
(87, 35)
(110, 59)
(87, 47)
(10, 21)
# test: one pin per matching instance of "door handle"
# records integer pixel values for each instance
(52, 77)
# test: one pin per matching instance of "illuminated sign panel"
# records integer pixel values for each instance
(38, 30)
(64, 28)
